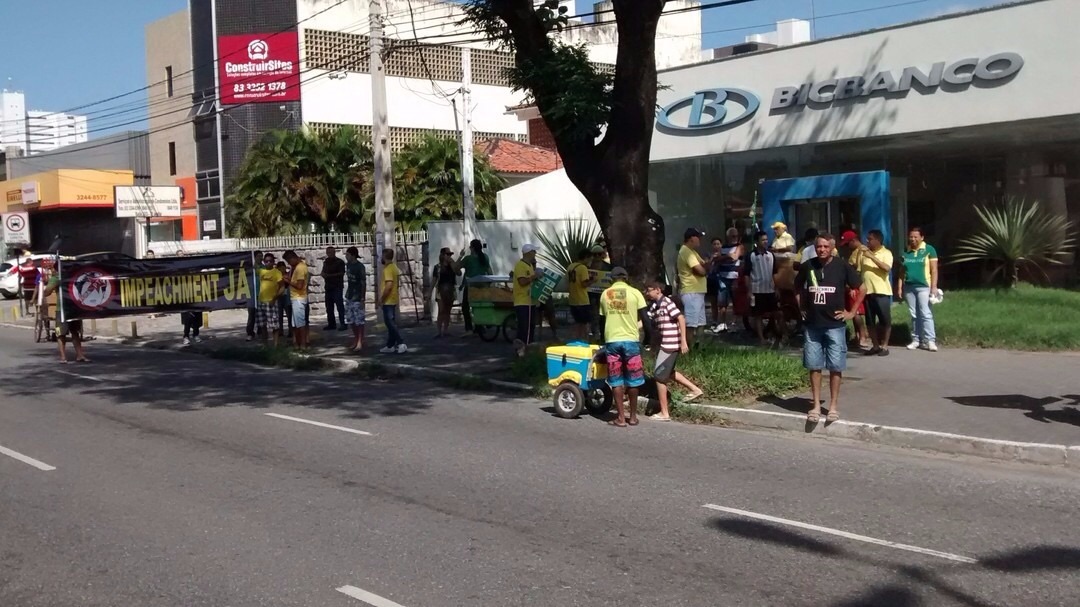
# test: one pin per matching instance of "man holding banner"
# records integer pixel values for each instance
(71, 329)
(524, 276)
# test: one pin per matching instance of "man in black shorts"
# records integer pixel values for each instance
(760, 270)
(71, 329)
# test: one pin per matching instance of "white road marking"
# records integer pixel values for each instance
(365, 596)
(27, 459)
(843, 534)
(70, 374)
(319, 424)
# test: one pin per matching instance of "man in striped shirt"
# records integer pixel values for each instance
(670, 325)
(760, 270)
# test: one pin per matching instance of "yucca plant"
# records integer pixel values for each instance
(1017, 235)
(562, 250)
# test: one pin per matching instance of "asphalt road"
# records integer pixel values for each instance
(177, 483)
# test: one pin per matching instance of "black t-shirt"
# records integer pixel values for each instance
(334, 265)
(823, 289)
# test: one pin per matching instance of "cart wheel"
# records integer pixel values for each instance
(487, 332)
(509, 328)
(40, 330)
(599, 401)
(568, 400)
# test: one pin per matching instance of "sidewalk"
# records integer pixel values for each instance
(988, 394)
(1017, 396)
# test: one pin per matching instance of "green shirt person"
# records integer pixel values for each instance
(918, 284)
(476, 263)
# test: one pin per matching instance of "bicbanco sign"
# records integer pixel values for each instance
(722, 108)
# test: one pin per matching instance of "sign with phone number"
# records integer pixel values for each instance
(259, 68)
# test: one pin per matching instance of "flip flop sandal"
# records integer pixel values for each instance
(813, 418)
(617, 423)
(633, 422)
(693, 397)
(832, 417)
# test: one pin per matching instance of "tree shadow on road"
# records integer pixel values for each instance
(914, 581)
(184, 382)
(1038, 409)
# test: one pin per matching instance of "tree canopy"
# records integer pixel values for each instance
(602, 121)
(293, 180)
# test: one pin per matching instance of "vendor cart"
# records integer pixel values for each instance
(578, 372)
(491, 303)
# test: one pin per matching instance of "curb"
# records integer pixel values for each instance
(891, 436)
(911, 438)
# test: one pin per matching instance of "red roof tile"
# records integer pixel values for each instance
(509, 156)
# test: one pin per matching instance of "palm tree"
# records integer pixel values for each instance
(1017, 235)
(293, 178)
(427, 183)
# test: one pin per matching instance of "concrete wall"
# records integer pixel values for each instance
(168, 43)
(411, 102)
(502, 237)
(1041, 32)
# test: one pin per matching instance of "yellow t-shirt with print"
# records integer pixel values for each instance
(522, 293)
(299, 273)
(576, 276)
(688, 281)
(620, 304)
(390, 275)
(269, 283)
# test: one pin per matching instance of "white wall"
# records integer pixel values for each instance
(549, 196)
(503, 238)
(1042, 32)
(411, 103)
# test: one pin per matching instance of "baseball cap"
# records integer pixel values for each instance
(529, 248)
(619, 272)
(779, 224)
(692, 232)
(847, 237)
(597, 248)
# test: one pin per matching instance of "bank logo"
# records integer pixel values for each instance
(709, 109)
(91, 289)
(258, 50)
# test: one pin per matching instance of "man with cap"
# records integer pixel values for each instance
(622, 306)
(784, 243)
(600, 263)
(849, 243)
(524, 275)
(693, 283)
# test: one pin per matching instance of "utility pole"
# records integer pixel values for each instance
(380, 144)
(469, 199)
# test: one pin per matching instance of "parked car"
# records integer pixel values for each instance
(9, 274)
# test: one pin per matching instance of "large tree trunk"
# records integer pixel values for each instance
(613, 174)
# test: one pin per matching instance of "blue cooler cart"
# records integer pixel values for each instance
(578, 372)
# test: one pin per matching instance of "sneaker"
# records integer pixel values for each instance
(388, 350)
(330, 328)
(402, 348)
(932, 346)
(187, 342)
(914, 345)
(343, 328)
(250, 337)
(198, 340)
(721, 328)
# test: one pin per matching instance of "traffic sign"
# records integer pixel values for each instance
(16, 228)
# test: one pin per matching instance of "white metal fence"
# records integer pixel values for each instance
(276, 243)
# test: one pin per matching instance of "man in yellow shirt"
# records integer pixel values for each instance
(693, 283)
(298, 298)
(579, 279)
(523, 277)
(267, 316)
(390, 274)
(875, 263)
(622, 306)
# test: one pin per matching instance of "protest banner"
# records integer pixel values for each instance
(105, 289)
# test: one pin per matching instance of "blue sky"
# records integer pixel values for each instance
(81, 51)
